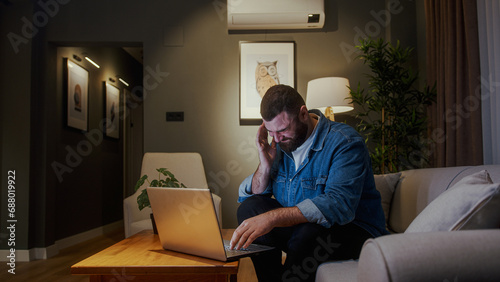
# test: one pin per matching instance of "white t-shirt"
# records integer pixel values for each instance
(299, 155)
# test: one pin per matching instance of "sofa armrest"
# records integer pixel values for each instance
(127, 215)
(131, 213)
(469, 255)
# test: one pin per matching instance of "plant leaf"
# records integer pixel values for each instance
(140, 182)
(143, 200)
(169, 181)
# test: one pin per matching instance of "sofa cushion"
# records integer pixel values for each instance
(416, 189)
(345, 271)
(472, 203)
(386, 184)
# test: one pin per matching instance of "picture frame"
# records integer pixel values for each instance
(77, 95)
(262, 65)
(112, 110)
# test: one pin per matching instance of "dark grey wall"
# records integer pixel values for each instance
(91, 194)
(63, 185)
(199, 75)
(15, 107)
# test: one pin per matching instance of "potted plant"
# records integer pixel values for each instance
(168, 181)
(392, 113)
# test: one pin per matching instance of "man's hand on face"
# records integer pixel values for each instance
(251, 229)
(267, 152)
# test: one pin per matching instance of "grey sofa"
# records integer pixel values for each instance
(445, 225)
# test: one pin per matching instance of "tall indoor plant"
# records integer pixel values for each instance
(392, 113)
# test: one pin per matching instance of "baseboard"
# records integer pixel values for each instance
(50, 251)
(87, 235)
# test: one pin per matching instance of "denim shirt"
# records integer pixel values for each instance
(334, 184)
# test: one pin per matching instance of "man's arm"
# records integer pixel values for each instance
(260, 180)
(256, 226)
(267, 154)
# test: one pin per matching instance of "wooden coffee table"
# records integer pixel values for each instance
(142, 258)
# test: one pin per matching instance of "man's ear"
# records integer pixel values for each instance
(303, 113)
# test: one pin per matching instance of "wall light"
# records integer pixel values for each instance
(328, 94)
(123, 81)
(92, 62)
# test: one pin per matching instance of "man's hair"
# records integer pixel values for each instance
(280, 98)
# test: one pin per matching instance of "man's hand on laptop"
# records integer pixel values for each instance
(259, 225)
(251, 229)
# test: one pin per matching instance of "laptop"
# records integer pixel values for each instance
(187, 222)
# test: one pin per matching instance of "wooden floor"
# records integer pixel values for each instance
(58, 267)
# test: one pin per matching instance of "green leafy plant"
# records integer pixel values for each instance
(169, 181)
(392, 113)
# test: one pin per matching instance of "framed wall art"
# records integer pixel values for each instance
(77, 96)
(112, 94)
(262, 65)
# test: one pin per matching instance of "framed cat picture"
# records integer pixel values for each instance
(262, 65)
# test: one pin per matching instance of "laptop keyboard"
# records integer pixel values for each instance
(233, 252)
(250, 249)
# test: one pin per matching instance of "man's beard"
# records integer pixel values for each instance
(293, 143)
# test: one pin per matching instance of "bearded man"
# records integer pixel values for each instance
(313, 194)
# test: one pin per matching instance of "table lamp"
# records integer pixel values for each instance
(328, 94)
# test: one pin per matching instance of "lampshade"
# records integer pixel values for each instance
(328, 92)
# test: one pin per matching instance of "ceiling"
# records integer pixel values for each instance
(135, 52)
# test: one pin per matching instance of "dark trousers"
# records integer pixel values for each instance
(307, 245)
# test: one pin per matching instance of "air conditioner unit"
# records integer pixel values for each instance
(275, 14)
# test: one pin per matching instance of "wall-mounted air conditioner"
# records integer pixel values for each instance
(275, 14)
